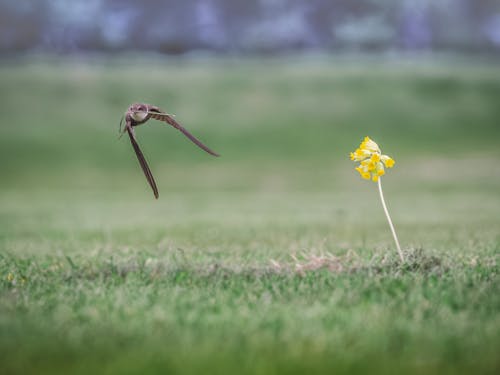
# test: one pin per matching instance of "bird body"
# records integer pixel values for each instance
(140, 113)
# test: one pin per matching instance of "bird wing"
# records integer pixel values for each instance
(170, 120)
(142, 159)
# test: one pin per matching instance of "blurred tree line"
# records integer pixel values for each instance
(264, 26)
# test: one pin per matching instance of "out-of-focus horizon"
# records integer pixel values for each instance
(257, 26)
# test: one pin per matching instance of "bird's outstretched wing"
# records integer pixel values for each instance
(142, 159)
(170, 120)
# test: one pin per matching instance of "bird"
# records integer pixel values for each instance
(138, 114)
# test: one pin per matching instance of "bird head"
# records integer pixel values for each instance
(138, 112)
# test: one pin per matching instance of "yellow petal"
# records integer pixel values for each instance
(380, 169)
(370, 145)
(363, 154)
(359, 155)
(388, 161)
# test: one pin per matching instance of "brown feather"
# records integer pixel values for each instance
(170, 120)
(142, 160)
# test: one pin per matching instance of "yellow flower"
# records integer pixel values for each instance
(360, 154)
(388, 161)
(372, 162)
(10, 277)
(380, 169)
(369, 145)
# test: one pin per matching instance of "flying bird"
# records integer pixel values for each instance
(140, 113)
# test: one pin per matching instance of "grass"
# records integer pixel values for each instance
(274, 258)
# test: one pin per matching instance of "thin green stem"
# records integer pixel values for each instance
(389, 220)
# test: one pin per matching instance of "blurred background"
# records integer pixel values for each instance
(256, 26)
(284, 90)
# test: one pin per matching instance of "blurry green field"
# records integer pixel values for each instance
(221, 274)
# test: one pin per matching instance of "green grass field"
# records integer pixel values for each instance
(274, 258)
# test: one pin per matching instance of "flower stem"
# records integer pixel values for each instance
(389, 220)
